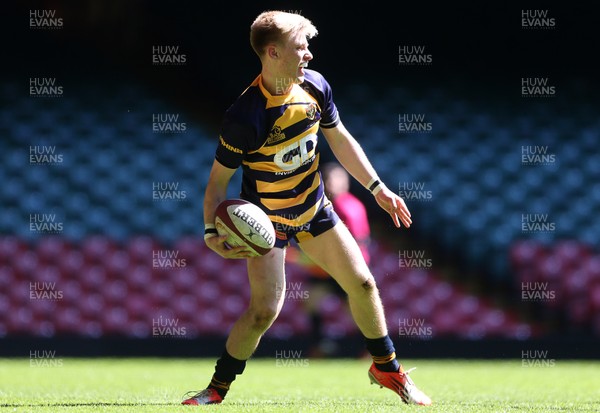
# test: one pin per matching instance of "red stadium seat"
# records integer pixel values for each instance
(139, 278)
(210, 322)
(579, 311)
(92, 307)
(11, 249)
(184, 279)
(572, 252)
(526, 254)
(186, 306)
(208, 293)
(71, 264)
(97, 249)
(51, 249)
(67, 320)
(93, 278)
(595, 297)
(140, 249)
(138, 305)
(115, 321)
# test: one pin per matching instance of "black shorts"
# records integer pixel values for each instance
(324, 220)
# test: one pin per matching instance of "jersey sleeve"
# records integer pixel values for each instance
(318, 87)
(329, 113)
(234, 141)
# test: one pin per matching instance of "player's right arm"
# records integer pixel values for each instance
(237, 134)
(216, 192)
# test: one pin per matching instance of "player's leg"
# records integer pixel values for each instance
(267, 292)
(336, 251)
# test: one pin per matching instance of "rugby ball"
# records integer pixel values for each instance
(245, 225)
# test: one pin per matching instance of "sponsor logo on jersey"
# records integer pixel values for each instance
(296, 154)
(275, 135)
(228, 146)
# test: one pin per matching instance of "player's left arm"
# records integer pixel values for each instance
(352, 157)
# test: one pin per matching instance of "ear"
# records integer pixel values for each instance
(272, 52)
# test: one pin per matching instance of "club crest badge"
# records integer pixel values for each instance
(311, 111)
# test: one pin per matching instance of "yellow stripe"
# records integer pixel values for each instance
(275, 203)
(286, 183)
(384, 359)
(292, 113)
(299, 220)
(220, 384)
(303, 236)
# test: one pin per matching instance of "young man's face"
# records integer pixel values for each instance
(293, 57)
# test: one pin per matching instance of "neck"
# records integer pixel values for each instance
(275, 85)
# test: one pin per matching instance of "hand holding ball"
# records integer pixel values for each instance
(245, 225)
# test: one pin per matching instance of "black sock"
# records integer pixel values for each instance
(226, 369)
(383, 353)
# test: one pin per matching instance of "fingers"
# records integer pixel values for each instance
(403, 212)
(396, 207)
(394, 213)
(218, 245)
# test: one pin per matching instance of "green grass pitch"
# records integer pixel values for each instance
(156, 385)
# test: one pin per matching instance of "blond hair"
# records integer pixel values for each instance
(272, 26)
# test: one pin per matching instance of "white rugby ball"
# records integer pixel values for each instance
(246, 225)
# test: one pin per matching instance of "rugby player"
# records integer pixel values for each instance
(270, 131)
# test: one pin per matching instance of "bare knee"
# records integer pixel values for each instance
(364, 286)
(369, 285)
(261, 319)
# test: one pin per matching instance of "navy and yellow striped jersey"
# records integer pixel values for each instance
(274, 139)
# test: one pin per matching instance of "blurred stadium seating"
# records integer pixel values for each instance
(105, 288)
(102, 193)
